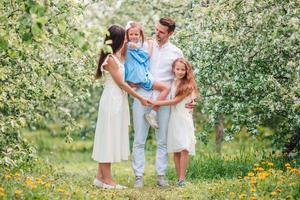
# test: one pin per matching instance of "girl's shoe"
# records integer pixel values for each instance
(181, 183)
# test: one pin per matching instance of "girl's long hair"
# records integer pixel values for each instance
(132, 25)
(187, 84)
(116, 36)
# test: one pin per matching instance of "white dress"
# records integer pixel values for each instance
(111, 143)
(181, 126)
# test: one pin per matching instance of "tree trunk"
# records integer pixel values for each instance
(219, 133)
(293, 143)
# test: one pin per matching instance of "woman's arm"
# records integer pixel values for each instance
(114, 70)
(173, 101)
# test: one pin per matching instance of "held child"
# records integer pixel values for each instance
(181, 140)
(137, 64)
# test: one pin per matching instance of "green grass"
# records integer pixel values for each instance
(67, 171)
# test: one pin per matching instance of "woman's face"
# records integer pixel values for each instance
(179, 70)
(134, 34)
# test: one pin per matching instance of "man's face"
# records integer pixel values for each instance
(162, 34)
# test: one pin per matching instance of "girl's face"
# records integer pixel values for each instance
(179, 70)
(134, 34)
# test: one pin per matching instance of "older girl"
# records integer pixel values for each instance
(181, 140)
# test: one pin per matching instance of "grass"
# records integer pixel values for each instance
(66, 171)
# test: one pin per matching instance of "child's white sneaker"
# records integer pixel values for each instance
(151, 119)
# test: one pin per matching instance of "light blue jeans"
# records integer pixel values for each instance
(141, 129)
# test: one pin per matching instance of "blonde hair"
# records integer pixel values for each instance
(129, 26)
(187, 83)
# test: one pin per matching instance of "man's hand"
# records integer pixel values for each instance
(191, 105)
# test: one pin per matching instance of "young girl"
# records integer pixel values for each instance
(111, 142)
(137, 65)
(181, 140)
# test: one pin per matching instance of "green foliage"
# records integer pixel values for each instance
(246, 55)
(47, 62)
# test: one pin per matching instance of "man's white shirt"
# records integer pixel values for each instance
(161, 61)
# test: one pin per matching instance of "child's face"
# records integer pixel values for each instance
(179, 70)
(134, 34)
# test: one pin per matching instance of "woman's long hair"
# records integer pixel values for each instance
(187, 84)
(116, 36)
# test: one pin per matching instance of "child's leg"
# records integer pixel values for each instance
(177, 162)
(106, 172)
(164, 91)
(184, 159)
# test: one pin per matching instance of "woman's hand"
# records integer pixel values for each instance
(145, 102)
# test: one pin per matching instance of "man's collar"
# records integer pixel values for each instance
(163, 46)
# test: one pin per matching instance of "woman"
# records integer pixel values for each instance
(111, 143)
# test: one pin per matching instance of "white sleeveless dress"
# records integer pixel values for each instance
(181, 126)
(111, 143)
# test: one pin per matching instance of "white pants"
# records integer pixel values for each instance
(141, 129)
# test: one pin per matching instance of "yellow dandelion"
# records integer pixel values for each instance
(288, 168)
(2, 192)
(273, 193)
(17, 174)
(18, 192)
(7, 176)
(260, 169)
(30, 182)
(231, 194)
(39, 181)
(253, 181)
(270, 164)
(250, 174)
(287, 165)
(47, 185)
(242, 196)
(60, 190)
(253, 190)
(294, 171)
(278, 190)
(253, 198)
(262, 175)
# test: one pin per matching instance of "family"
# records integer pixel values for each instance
(162, 83)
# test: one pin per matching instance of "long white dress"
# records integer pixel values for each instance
(181, 126)
(111, 142)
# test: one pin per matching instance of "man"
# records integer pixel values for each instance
(163, 55)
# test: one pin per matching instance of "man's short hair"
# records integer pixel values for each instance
(169, 22)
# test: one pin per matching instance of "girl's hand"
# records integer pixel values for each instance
(151, 102)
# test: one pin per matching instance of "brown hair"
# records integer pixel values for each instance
(169, 22)
(187, 84)
(117, 36)
(132, 25)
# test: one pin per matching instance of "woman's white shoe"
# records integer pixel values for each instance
(107, 186)
(98, 183)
